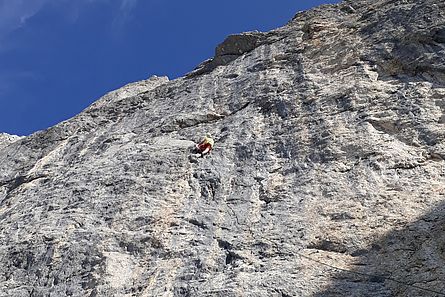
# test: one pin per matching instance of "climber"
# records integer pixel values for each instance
(205, 146)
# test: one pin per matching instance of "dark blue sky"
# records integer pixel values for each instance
(58, 56)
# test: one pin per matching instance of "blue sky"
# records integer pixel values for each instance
(58, 56)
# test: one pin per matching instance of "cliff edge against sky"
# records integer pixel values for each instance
(327, 177)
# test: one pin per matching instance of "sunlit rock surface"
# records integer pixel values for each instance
(329, 155)
(7, 139)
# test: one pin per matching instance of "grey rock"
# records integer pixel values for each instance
(7, 139)
(230, 49)
(327, 177)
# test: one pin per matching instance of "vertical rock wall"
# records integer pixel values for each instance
(327, 177)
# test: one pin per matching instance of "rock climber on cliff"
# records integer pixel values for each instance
(205, 146)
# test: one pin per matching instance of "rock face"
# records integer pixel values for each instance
(6, 139)
(327, 178)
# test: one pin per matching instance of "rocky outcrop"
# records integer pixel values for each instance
(327, 178)
(233, 47)
(6, 139)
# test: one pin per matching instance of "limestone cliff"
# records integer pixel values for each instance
(6, 139)
(327, 178)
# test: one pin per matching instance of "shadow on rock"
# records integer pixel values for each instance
(409, 262)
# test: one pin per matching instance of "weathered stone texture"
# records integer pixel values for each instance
(6, 139)
(329, 147)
